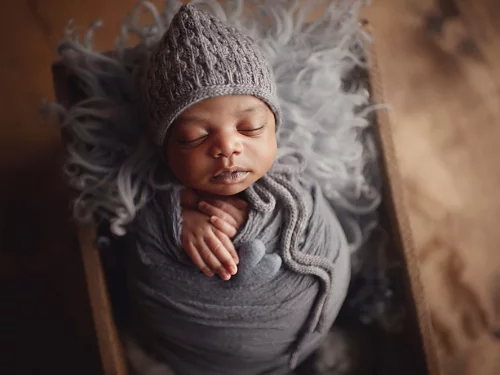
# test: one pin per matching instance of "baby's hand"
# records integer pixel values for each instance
(209, 248)
(226, 214)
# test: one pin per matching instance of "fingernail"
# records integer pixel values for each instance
(213, 219)
(225, 276)
(232, 270)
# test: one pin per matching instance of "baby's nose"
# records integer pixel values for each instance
(226, 146)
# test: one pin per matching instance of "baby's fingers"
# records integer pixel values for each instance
(228, 244)
(240, 204)
(223, 255)
(211, 210)
(226, 207)
(210, 259)
(198, 260)
(223, 226)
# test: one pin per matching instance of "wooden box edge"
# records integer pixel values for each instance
(395, 207)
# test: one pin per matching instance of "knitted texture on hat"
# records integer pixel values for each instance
(200, 57)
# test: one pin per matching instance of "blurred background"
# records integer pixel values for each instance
(45, 322)
(440, 72)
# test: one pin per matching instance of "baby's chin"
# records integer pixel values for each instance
(225, 190)
(211, 188)
(221, 188)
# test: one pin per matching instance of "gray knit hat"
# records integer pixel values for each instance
(200, 57)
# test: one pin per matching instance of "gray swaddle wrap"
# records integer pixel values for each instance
(293, 277)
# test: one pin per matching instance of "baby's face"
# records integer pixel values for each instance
(222, 145)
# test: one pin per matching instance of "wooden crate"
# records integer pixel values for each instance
(396, 221)
(418, 331)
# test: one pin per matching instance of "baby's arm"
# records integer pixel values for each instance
(207, 227)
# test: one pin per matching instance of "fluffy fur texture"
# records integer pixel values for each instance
(326, 113)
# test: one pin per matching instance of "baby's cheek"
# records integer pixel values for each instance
(194, 167)
(268, 153)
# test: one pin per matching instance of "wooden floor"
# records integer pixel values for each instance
(442, 79)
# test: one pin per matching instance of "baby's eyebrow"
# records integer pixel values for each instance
(248, 110)
(251, 109)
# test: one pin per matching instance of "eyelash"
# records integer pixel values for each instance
(201, 139)
(252, 130)
(187, 143)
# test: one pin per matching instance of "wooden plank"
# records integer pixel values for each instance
(441, 76)
(41, 277)
(110, 347)
(399, 221)
(112, 356)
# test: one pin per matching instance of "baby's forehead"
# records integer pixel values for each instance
(235, 106)
(231, 104)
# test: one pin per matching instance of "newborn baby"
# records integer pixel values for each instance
(218, 148)
(236, 206)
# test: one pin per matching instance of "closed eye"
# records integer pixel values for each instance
(252, 132)
(193, 142)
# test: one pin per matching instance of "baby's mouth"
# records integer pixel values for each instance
(234, 175)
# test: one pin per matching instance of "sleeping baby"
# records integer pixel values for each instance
(240, 265)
